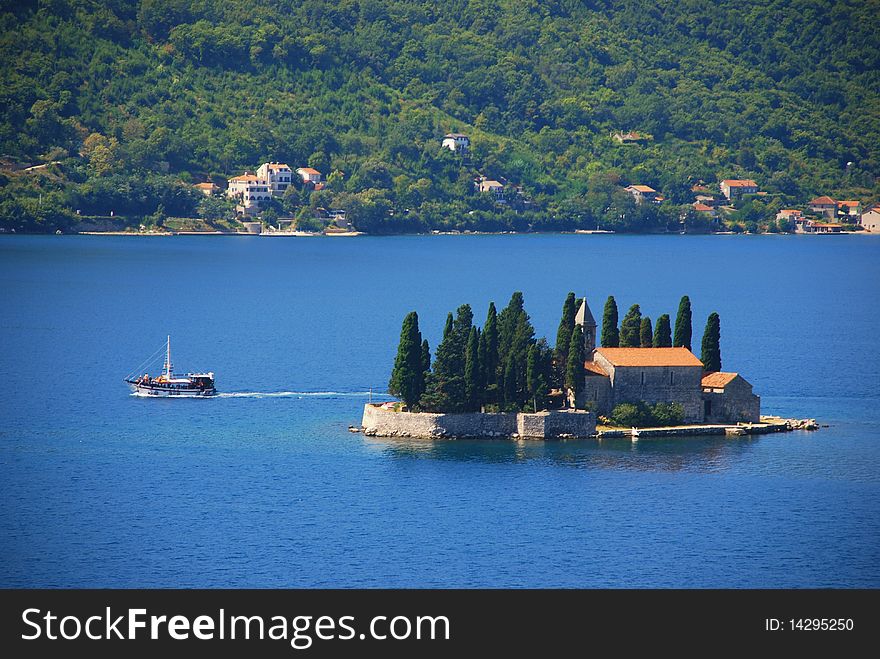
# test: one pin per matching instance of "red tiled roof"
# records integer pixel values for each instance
(702, 208)
(823, 201)
(740, 183)
(205, 186)
(307, 170)
(791, 211)
(594, 368)
(245, 178)
(718, 380)
(650, 356)
(849, 204)
(642, 188)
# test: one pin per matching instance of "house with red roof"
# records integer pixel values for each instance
(645, 193)
(824, 206)
(733, 188)
(870, 219)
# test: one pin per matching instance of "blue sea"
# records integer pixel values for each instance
(265, 487)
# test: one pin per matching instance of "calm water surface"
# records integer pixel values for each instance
(265, 487)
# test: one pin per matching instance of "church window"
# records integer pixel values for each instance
(643, 378)
(671, 377)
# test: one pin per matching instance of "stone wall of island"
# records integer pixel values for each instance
(384, 422)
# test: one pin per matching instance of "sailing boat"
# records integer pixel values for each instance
(168, 384)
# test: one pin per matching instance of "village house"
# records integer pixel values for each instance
(728, 396)
(655, 375)
(703, 208)
(809, 225)
(207, 189)
(849, 211)
(249, 192)
(278, 176)
(631, 137)
(310, 177)
(496, 188)
(824, 206)
(736, 188)
(870, 219)
(643, 193)
(456, 142)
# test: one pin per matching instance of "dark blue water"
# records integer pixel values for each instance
(103, 489)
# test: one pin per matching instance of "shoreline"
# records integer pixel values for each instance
(353, 234)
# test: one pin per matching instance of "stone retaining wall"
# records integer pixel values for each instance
(383, 422)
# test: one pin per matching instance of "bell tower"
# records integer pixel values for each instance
(584, 318)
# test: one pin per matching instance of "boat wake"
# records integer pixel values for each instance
(298, 394)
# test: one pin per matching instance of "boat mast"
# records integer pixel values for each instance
(167, 368)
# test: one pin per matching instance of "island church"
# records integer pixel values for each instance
(654, 375)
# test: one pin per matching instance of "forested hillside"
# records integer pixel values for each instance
(132, 102)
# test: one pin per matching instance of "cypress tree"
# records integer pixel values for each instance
(646, 333)
(683, 330)
(472, 379)
(610, 335)
(630, 328)
(509, 389)
(563, 334)
(663, 332)
(406, 376)
(426, 365)
(489, 347)
(447, 330)
(710, 353)
(574, 370)
(539, 372)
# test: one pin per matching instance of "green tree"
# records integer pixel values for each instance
(472, 377)
(610, 334)
(407, 375)
(489, 355)
(710, 353)
(539, 370)
(563, 334)
(445, 388)
(426, 361)
(574, 370)
(447, 328)
(630, 328)
(662, 332)
(646, 333)
(683, 329)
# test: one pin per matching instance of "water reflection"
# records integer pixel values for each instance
(692, 454)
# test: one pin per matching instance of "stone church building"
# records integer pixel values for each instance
(654, 375)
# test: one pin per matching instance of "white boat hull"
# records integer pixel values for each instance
(162, 392)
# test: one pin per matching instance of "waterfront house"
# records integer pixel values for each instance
(278, 175)
(870, 219)
(728, 396)
(824, 206)
(849, 211)
(643, 193)
(249, 192)
(736, 188)
(456, 142)
(660, 375)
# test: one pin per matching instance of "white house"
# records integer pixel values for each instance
(278, 176)
(249, 191)
(733, 188)
(642, 193)
(870, 219)
(309, 175)
(456, 142)
(494, 187)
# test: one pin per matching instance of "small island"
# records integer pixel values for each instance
(499, 381)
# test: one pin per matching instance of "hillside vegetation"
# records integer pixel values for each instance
(130, 103)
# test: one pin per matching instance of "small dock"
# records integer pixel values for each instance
(765, 426)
